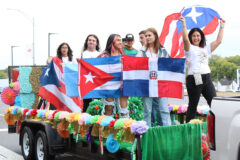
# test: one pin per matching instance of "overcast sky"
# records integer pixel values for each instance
(73, 20)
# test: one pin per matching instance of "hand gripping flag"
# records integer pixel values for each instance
(98, 78)
(152, 77)
(53, 88)
(196, 17)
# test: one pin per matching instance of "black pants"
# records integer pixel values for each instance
(86, 104)
(194, 91)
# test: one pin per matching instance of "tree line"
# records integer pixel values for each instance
(224, 67)
(4, 73)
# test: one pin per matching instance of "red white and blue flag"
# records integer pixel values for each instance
(53, 88)
(152, 77)
(100, 77)
(196, 17)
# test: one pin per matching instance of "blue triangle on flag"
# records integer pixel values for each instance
(49, 76)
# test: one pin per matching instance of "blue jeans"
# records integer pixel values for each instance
(162, 107)
(156, 112)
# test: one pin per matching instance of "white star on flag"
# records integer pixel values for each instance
(46, 73)
(89, 77)
(194, 14)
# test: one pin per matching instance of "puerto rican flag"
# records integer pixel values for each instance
(153, 77)
(53, 88)
(99, 77)
(196, 17)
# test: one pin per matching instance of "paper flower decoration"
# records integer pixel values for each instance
(205, 148)
(11, 84)
(195, 121)
(9, 119)
(82, 118)
(16, 86)
(24, 111)
(112, 145)
(139, 127)
(170, 108)
(63, 115)
(8, 96)
(17, 101)
(62, 129)
(106, 121)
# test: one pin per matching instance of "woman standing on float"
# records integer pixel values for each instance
(199, 79)
(114, 48)
(153, 49)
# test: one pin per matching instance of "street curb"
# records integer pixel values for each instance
(6, 154)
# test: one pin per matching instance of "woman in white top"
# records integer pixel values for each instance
(199, 80)
(153, 49)
(64, 52)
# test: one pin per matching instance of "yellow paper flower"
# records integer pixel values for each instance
(77, 116)
(128, 123)
(175, 108)
(47, 113)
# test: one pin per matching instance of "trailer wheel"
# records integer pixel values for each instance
(26, 137)
(41, 147)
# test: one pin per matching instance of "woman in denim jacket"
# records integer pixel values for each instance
(153, 49)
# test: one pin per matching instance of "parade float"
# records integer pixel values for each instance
(45, 133)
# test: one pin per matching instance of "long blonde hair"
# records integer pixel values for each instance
(157, 44)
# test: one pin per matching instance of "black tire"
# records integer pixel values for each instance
(41, 147)
(27, 143)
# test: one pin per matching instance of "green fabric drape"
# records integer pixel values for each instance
(204, 128)
(178, 142)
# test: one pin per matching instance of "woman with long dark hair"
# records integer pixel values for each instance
(64, 52)
(114, 48)
(153, 49)
(199, 79)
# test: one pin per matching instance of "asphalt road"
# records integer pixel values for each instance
(11, 141)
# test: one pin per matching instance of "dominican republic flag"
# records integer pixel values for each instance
(97, 78)
(53, 88)
(153, 77)
(196, 17)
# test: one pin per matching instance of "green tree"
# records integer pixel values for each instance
(234, 59)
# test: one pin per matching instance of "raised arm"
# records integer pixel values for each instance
(218, 41)
(186, 41)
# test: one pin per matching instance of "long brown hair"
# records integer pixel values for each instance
(59, 53)
(86, 45)
(157, 44)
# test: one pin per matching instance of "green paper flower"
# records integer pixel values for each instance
(11, 85)
(94, 119)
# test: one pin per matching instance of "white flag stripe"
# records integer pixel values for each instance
(136, 75)
(162, 75)
(110, 85)
(63, 98)
(110, 68)
(59, 73)
(153, 83)
(171, 76)
(168, 40)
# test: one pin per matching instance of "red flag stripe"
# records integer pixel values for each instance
(133, 63)
(53, 99)
(171, 89)
(166, 26)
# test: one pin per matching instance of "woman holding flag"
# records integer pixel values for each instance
(199, 80)
(153, 49)
(114, 48)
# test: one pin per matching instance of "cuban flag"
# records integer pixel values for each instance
(196, 17)
(53, 88)
(153, 77)
(94, 78)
